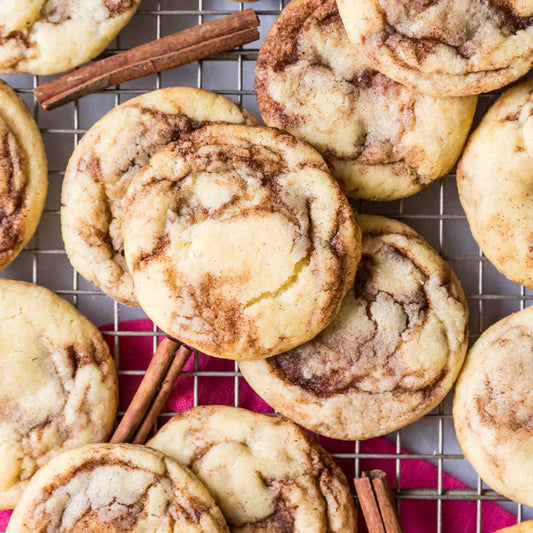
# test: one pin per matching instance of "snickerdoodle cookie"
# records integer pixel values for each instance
(116, 488)
(493, 406)
(239, 241)
(23, 175)
(524, 527)
(265, 473)
(444, 47)
(391, 354)
(50, 36)
(495, 180)
(381, 139)
(101, 168)
(58, 386)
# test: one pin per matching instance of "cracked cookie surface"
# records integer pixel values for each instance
(116, 488)
(103, 164)
(444, 47)
(51, 36)
(495, 180)
(265, 473)
(58, 385)
(493, 406)
(391, 354)
(239, 241)
(23, 175)
(381, 139)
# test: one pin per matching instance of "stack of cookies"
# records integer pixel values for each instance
(239, 240)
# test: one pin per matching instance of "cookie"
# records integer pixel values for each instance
(495, 177)
(239, 241)
(524, 527)
(51, 36)
(23, 175)
(101, 168)
(116, 488)
(265, 473)
(444, 47)
(58, 385)
(381, 139)
(391, 354)
(493, 406)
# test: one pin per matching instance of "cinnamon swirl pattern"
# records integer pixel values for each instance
(50, 36)
(493, 406)
(58, 385)
(495, 179)
(116, 488)
(381, 139)
(23, 175)
(103, 164)
(239, 241)
(391, 354)
(265, 473)
(444, 47)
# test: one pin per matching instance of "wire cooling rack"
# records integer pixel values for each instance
(435, 213)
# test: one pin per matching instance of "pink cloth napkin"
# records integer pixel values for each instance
(417, 516)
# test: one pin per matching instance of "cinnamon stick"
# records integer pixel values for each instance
(140, 404)
(369, 505)
(192, 44)
(181, 357)
(377, 503)
(385, 501)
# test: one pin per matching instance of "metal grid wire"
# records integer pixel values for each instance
(435, 213)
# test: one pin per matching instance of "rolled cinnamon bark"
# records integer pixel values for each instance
(192, 44)
(140, 404)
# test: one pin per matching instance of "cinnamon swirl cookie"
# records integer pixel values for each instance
(495, 179)
(265, 473)
(382, 140)
(101, 168)
(239, 241)
(524, 527)
(58, 386)
(493, 407)
(391, 354)
(50, 36)
(444, 47)
(23, 175)
(116, 488)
